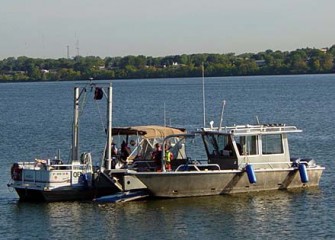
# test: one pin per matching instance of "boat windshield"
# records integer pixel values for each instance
(223, 145)
(218, 144)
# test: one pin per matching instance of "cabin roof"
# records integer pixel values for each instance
(149, 131)
(244, 130)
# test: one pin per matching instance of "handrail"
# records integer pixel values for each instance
(290, 164)
(196, 167)
(253, 129)
(33, 165)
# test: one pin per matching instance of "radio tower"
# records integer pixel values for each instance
(77, 47)
(68, 51)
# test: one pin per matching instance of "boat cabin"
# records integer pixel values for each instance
(136, 144)
(266, 146)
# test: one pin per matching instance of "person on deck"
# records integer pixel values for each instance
(114, 149)
(168, 158)
(157, 157)
(230, 147)
(125, 151)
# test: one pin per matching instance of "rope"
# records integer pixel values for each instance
(100, 115)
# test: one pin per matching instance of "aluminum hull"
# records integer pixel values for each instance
(205, 183)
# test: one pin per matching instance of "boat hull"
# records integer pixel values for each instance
(205, 183)
(39, 191)
(62, 194)
(26, 194)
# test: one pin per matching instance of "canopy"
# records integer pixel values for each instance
(150, 131)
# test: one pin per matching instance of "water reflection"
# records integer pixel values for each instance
(254, 215)
(257, 214)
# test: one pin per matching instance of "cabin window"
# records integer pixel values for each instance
(226, 145)
(249, 145)
(211, 144)
(218, 145)
(272, 144)
(222, 142)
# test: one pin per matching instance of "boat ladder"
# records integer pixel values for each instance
(114, 180)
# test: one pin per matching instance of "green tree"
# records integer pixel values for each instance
(327, 63)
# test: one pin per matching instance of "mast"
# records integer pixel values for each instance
(109, 127)
(75, 127)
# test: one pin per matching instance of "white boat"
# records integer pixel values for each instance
(55, 180)
(241, 159)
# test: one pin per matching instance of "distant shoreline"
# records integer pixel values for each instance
(300, 61)
(76, 80)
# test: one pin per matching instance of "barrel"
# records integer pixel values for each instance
(251, 174)
(303, 173)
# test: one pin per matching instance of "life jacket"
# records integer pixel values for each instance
(168, 156)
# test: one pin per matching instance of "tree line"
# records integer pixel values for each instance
(300, 61)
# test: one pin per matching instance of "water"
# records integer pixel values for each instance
(36, 121)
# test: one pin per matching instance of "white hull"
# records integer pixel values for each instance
(38, 191)
(58, 182)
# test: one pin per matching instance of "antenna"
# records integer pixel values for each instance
(221, 119)
(203, 93)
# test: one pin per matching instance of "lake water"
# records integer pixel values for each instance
(35, 122)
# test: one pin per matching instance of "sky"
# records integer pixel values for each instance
(110, 28)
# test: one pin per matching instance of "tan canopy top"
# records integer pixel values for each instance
(150, 131)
